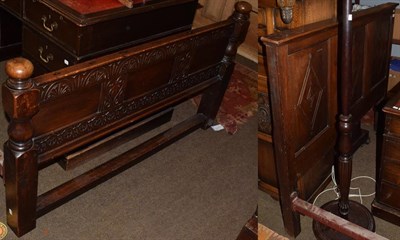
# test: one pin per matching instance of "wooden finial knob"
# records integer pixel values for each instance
(243, 7)
(19, 68)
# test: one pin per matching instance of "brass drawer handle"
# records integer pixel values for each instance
(46, 59)
(53, 26)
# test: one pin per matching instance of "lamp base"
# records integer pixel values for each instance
(358, 214)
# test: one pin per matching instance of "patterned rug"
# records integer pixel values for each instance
(240, 99)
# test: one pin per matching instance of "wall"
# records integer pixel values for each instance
(395, 47)
(214, 11)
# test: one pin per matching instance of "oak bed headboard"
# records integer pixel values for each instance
(303, 88)
(53, 114)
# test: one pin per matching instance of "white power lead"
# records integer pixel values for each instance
(336, 190)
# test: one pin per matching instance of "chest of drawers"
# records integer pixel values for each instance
(58, 33)
(387, 200)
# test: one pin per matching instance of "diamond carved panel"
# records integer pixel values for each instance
(311, 97)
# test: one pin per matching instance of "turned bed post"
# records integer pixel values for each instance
(20, 102)
(212, 99)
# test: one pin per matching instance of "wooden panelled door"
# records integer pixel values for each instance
(214, 11)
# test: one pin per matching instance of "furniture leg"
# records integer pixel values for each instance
(20, 165)
(211, 99)
(21, 180)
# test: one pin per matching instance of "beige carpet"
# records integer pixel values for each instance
(363, 165)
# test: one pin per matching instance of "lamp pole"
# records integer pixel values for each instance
(345, 208)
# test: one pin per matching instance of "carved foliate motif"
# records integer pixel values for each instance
(264, 114)
(113, 105)
(180, 51)
(57, 138)
(72, 83)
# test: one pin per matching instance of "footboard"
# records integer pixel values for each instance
(56, 113)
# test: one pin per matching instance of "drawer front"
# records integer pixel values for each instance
(392, 125)
(390, 165)
(43, 51)
(13, 5)
(53, 24)
(138, 28)
(389, 194)
(390, 148)
(109, 34)
(391, 172)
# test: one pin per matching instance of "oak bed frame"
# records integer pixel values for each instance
(52, 115)
(314, 49)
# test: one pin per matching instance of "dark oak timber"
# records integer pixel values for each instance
(378, 29)
(10, 35)
(250, 229)
(371, 42)
(333, 221)
(302, 87)
(58, 34)
(386, 204)
(118, 89)
(73, 188)
(85, 154)
(299, 106)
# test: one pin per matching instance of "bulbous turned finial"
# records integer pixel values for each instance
(243, 7)
(18, 70)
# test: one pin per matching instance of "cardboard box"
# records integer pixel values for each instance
(396, 27)
(394, 78)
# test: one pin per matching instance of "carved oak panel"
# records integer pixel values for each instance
(302, 87)
(127, 86)
(372, 34)
(308, 93)
(264, 114)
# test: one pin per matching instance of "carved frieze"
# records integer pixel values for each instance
(119, 111)
(113, 79)
(179, 50)
(264, 114)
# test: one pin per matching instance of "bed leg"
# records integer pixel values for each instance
(21, 180)
(212, 99)
(20, 102)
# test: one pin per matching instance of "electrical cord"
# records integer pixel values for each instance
(336, 189)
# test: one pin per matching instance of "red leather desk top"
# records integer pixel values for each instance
(92, 6)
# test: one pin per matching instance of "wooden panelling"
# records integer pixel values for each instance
(302, 85)
(308, 89)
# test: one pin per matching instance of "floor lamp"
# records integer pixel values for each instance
(343, 207)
